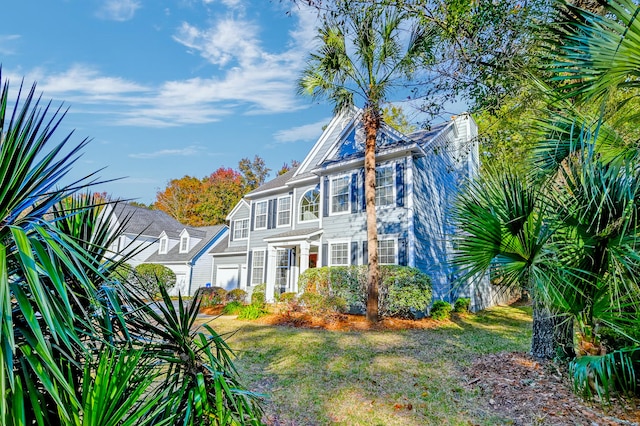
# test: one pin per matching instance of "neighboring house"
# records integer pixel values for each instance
(155, 237)
(186, 258)
(314, 215)
(142, 229)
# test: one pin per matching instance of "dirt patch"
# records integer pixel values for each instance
(516, 386)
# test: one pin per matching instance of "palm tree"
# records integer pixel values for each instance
(364, 53)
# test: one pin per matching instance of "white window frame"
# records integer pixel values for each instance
(263, 253)
(265, 214)
(330, 253)
(163, 246)
(331, 195)
(300, 216)
(184, 244)
(395, 251)
(393, 186)
(244, 230)
(278, 224)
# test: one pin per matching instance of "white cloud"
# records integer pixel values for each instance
(118, 10)
(184, 152)
(7, 44)
(85, 80)
(303, 133)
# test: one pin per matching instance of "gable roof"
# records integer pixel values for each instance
(141, 221)
(210, 234)
(275, 183)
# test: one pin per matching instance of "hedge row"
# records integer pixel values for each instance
(403, 291)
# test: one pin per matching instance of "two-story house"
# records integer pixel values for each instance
(314, 215)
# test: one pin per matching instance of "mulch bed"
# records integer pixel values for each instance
(529, 392)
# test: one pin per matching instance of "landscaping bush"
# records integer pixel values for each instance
(318, 304)
(403, 291)
(251, 312)
(257, 298)
(150, 276)
(232, 308)
(462, 305)
(211, 296)
(237, 295)
(441, 310)
(288, 297)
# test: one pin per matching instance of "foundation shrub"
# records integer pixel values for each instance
(251, 312)
(441, 310)
(404, 291)
(237, 295)
(232, 308)
(462, 305)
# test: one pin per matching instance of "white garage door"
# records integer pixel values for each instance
(227, 278)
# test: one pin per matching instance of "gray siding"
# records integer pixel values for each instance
(243, 212)
(226, 261)
(201, 273)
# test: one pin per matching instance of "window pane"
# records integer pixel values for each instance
(284, 211)
(384, 186)
(261, 215)
(340, 194)
(387, 252)
(257, 270)
(340, 254)
(241, 229)
(310, 205)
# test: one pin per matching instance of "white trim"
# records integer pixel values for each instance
(332, 243)
(266, 214)
(235, 227)
(330, 197)
(286, 225)
(300, 237)
(237, 207)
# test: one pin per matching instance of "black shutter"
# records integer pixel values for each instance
(272, 212)
(365, 252)
(249, 268)
(402, 251)
(253, 214)
(325, 254)
(325, 198)
(231, 231)
(363, 201)
(354, 252)
(400, 184)
(265, 253)
(354, 193)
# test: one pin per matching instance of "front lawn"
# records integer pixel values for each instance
(412, 377)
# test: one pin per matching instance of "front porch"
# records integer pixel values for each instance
(288, 255)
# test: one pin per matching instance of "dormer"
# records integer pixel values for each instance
(163, 243)
(184, 241)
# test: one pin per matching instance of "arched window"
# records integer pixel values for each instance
(310, 205)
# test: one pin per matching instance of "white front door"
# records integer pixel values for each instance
(227, 278)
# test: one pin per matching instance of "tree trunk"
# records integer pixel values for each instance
(371, 121)
(552, 334)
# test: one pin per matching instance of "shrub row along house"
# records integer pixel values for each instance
(314, 215)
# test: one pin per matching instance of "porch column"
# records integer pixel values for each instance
(272, 257)
(304, 261)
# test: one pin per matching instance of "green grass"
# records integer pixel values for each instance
(318, 377)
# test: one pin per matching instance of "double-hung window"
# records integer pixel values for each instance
(257, 267)
(184, 244)
(339, 254)
(384, 186)
(387, 252)
(284, 211)
(260, 220)
(340, 194)
(241, 229)
(164, 242)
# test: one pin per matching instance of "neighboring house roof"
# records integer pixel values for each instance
(222, 248)
(141, 221)
(209, 233)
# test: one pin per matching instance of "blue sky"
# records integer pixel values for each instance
(168, 88)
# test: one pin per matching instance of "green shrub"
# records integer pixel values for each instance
(232, 308)
(251, 312)
(441, 310)
(262, 288)
(403, 291)
(462, 305)
(257, 298)
(212, 295)
(288, 297)
(237, 295)
(150, 276)
(317, 304)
